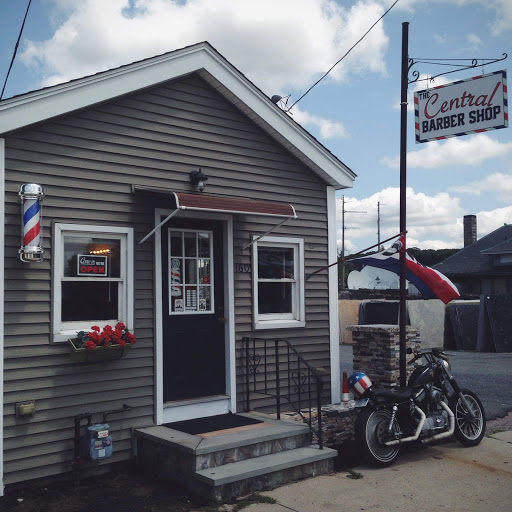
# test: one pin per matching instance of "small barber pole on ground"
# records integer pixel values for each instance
(345, 389)
(31, 250)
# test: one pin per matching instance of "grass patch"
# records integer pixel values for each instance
(256, 498)
(354, 475)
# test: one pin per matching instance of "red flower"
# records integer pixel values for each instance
(117, 335)
(107, 330)
(120, 326)
(95, 328)
(106, 340)
(131, 338)
(90, 345)
(122, 342)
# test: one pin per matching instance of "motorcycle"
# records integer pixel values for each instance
(425, 410)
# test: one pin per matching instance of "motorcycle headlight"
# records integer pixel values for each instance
(446, 365)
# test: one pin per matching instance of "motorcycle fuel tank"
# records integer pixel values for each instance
(421, 376)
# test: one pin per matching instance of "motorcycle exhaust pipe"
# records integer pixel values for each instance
(449, 432)
(422, 416)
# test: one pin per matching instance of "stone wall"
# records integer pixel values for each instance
(376, 351)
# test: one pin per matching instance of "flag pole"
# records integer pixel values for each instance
(403, 197)
(351, 256)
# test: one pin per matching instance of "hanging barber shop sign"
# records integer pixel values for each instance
(468, 106)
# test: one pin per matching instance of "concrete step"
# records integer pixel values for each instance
(274, 437)
(226, 482)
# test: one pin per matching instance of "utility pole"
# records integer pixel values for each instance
(343, 227)
(378, 225)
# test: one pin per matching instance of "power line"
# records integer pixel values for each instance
(332, 67)
(15, 49)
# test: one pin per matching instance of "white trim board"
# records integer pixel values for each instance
(2, 298)
(193, 410)
(34, 107)
(334, 326)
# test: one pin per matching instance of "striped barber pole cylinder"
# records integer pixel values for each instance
(31, 195)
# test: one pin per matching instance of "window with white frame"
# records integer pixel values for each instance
(278, 283)
(92, 278)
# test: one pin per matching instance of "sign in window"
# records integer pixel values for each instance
(190, 272)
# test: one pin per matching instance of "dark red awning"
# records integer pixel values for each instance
(210, 203)
(204, 202)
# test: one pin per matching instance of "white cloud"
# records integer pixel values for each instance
(279, 45)
(498, 182)
(487, 221)
(438, 38)
(436, 219)
(501, 8)
(328, 129)
(474, 41)
(424, 81)
(433, 222)
(472, 150)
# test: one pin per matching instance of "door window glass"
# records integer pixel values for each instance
(190, 272)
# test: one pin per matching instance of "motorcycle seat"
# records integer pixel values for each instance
(394, 394)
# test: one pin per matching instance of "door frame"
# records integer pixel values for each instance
(210, 406)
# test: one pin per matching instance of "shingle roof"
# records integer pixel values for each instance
(471, 259)
(503, 248)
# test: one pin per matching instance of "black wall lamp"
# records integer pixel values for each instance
(198, 179)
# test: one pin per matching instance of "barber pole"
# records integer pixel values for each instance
(31, 195)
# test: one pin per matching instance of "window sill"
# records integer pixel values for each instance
(279, 324)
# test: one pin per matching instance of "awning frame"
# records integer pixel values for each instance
(179, 206)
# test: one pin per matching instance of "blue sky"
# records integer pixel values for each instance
(284, 47)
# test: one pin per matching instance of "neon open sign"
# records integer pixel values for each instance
(468, 106)
(91, 265)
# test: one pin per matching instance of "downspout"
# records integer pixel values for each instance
(2, 242)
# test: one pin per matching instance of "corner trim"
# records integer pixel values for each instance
(2, 298)
(334, 327)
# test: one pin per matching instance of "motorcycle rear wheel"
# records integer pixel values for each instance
(469, 432)
(372, 432)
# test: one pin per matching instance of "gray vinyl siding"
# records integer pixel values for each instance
(87, 162)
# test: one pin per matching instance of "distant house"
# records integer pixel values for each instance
(482, 266)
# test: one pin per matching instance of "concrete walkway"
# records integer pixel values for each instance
(438, 477)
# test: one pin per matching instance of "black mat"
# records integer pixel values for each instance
(485, 340)
(499, 309)
(212, 423)
(464, 320)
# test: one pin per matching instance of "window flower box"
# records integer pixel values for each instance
(97, 345)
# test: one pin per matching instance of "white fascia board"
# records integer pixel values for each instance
(334, 328)
(61, 99)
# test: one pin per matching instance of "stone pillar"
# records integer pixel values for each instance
(377, 352)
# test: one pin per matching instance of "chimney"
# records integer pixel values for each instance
(469, 230)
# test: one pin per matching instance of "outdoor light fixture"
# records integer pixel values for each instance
(198, 179)
(31, 195)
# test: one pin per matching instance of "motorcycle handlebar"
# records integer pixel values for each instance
(434, 352)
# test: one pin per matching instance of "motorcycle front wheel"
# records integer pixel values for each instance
(371, 434)
(469, 431)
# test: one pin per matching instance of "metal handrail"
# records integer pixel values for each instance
(297, 378)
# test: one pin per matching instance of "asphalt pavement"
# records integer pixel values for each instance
(488, 375)
(437, 477)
